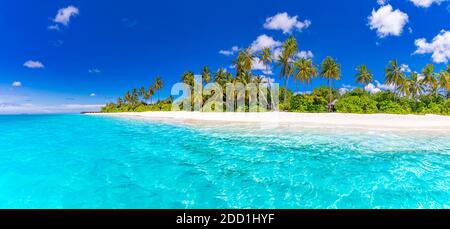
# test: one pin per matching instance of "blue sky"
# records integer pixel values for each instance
(68, 56)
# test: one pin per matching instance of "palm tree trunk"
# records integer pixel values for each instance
(285, 91)
(331, 94)
(305, 88)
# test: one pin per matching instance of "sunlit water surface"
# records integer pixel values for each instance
(78, 161)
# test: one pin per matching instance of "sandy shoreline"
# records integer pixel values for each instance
(370, 121)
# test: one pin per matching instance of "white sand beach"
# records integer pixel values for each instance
(330, 120)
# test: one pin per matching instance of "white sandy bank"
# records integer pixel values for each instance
(326, 119)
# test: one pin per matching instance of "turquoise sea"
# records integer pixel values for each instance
(80, 161)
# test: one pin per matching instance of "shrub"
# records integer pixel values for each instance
(356, 104)
(391, 107)
(308, 103)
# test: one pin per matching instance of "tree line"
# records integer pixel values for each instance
(291, 65)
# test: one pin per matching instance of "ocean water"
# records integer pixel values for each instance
(78, 161)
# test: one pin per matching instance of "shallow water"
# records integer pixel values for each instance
(77, 161)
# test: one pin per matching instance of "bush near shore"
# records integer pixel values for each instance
(361, 102)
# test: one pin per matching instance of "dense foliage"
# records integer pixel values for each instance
(165, 105)
(358, 101)
(426, 92)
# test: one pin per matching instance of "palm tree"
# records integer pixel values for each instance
(188, 78)
(248, 60)
(261, 91)
(265, 56)
(141, 91)
(127, 97)
(416, 86)
(305, 71)
(158, 84)
(244, 62)
(285, 60)
(444, 81)
(404, 87)
(206, 74)
(238, 63)
(119, 101)
(394, 74)
(330, 70)
(134, 97)
(151, 92)
(146, 96)
(429, 78)
(364, 76)
(221, 77)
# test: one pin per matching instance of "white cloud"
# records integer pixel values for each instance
(230, 52)
(425, 3)
(343, 90)
(33, 64)
(378, 87)
(386, 87)
(258, 65)
(53, 27)
(94, 71)
(372, 89)
(92, 95)
(405, 68)
(16, 84)
(439, 47)
(420, 77)
(277, 53)
(387, 21)
(382, 2)
(63, 16)
(285, 23)
(267, 80)
(306, 54)
(264, 41)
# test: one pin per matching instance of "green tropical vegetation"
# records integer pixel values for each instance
(427, 92)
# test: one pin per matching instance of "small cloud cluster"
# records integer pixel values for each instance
(16, 84)
(94, 71)
(258, 65)
(387, 21)
(439, 47)
(92, 95)
(405, 68)
(264, 41)
(344, 89)
(425, 3)
(286, 23)
(378, 87)
(230, 52)
(33, 64)
(306, 54)
(63, 17)
(267, 80)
